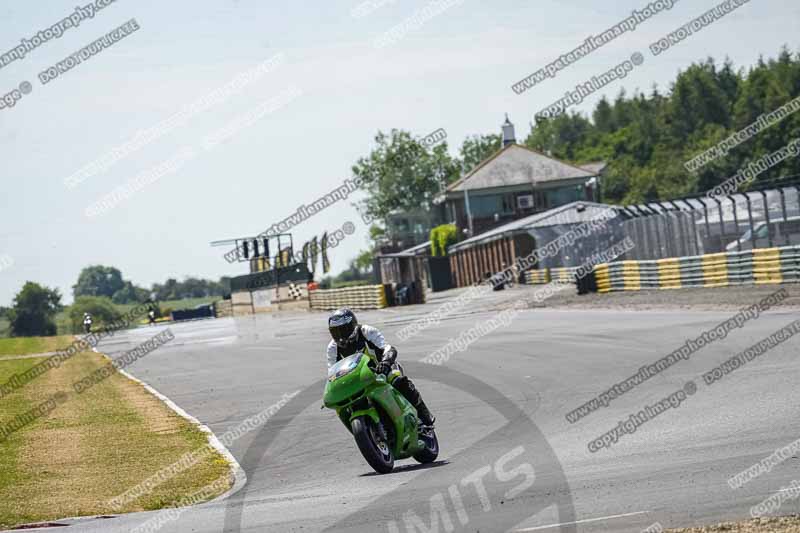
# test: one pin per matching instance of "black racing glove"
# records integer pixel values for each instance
(384, 366)
(390, 355)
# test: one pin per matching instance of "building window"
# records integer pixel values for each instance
(487, 206)
(508, 205)
(564, 195)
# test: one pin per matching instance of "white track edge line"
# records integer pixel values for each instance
(584, 521)
(239, 475)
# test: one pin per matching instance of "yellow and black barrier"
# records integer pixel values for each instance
(563, 274)
(760, 266)
(363, 297)
(537, 277)
(546, 275)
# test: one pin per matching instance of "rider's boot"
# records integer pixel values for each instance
(424, 414)
(410, 392)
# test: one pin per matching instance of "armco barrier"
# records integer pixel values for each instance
(364, 297)
(759, 266)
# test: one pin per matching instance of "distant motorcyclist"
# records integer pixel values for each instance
(151, 315)
(87, 322)
(349, 337)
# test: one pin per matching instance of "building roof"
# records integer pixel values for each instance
(518, 165)
(565, 214)
(595, 167)
(419, 249)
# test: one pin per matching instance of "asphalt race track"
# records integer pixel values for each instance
(509, 459)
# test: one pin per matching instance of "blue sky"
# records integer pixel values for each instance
(454, 72)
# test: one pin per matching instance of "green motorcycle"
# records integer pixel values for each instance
(383, 423)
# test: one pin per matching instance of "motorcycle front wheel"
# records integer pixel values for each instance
(374, 449)
(431, 450)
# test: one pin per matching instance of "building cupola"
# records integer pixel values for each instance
(508, 133)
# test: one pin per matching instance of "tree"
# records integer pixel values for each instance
(363, 262)
(130, 293)
(442, 237)
(102, 310)
(168, 291)
(358, 272)
(173, 289)
(561, 136)
(647, 138)
(477, 148)
(98, 280)
(400, 174)
(603, 116)
(33, 311)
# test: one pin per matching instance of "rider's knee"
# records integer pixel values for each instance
(403, 383)
(399, 381)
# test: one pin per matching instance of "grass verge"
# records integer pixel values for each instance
(92, 446)
(781, 524)
(31, 345)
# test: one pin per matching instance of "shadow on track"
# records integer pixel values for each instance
(498, 505)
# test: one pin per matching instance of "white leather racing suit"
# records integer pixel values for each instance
(370, 341)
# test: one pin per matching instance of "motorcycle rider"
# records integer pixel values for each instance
(350, 337)
(87, 322)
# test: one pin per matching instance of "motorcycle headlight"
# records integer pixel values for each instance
(344, 367)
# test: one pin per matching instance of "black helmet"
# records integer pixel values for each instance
(343, 326)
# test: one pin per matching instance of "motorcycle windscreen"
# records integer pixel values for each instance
(344, 367)
(344, 379)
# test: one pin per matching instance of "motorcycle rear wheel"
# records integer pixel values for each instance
(375, 451)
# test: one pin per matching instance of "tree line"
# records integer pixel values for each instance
(105, 281)
(644, 138)
(648, 138)
(99, 291)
